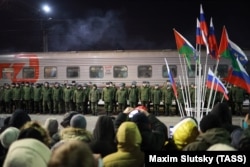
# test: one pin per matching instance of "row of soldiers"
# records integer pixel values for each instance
(58, 98)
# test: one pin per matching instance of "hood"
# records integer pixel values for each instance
(76, 133)
(19, 118)
(128, 136)
(185, 132)
(27, 153)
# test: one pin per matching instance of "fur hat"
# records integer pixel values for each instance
(78, 121)
(8, 136)
(67, 117)
(221, 147)
(51, 124)
(209, 121)
(27, 153)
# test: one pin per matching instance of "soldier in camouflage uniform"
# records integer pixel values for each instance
(144, 95)
(17, 96)
(122, 97)
(85, 98)
(2, 107)
(68, 97)
(133, 94)
(156, 96)
(238, 98)
(37, 97)
(94, 97)
(167, 97)
(8, 98)
(78, 98)
(57, 96)
(27, 97)
(47, 98)
(108, 95)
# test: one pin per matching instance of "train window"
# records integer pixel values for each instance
(120, 71)
(96, 72)
(73, 72)
(50, 72)
(28, 72)
(144, 71)
(173, 69)
(8, 73)
(222, 70)
(191, 72)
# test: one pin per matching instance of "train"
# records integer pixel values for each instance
(99, 67)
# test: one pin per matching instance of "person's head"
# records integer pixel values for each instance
(67, 117)
(78, 121)
(33, 129)
(104, 128)
(8, 136)
(72, 153)
(185, 132)
(141, 121)
(19, 118)
(27, 153)
(209, 121)
(51, 125)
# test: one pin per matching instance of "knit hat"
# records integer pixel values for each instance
(78, 121)
(19, 118)
(27, 153)
(67, 117)
(221, 147)
(140, 118)
(8, 136)
(222, 111)
(209, 121)
(51, 124)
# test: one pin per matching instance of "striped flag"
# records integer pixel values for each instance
(174, 87)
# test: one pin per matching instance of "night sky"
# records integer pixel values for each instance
(78, 25)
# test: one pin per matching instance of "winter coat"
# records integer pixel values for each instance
(129, 153)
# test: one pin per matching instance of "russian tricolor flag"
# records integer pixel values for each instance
(212, 80)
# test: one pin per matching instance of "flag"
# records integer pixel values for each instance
(237, 52)
(199, 40)
(205, 41)
(203, 24)
(239, 77)
(212, 43)
(184, 47)
(171, 79)
(230, 50)
(217, 84)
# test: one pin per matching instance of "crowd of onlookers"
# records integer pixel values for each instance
(115, 141)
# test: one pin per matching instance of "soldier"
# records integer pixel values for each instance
(144, 95)
(238, 98)
(156, 97)
(180, 93)
(7, 98)
(78, 98)
(68, 97)
(85, 98)
(57, 96)
(37, 97)
(108, 95)
(133, 94)
(74, 87)
(112, 86)
(2, 107)
(94, 97)
(121, 97)
(27, 97)
(17, 96)
(167, 97)
(47, 98)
